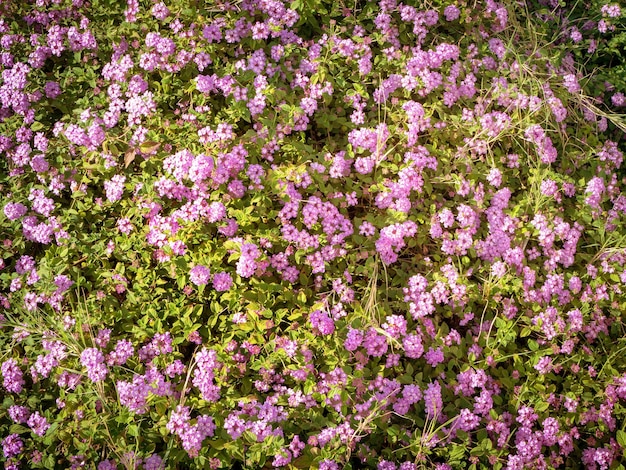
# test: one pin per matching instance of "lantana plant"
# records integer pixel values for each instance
(317, 234)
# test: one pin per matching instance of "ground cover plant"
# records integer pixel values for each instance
(317, 234)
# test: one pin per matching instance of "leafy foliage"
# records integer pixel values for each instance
(310, 235)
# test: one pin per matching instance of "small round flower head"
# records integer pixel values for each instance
(12, 445)
(618, 99)
(107, 465)
(611, 10)
(576, 35)
(160, 11)
(200, 275)
(38, 424)
(19, 414)
(222, 282)
(451, 13)
(12, 376)
(154, 462)
(93, 360)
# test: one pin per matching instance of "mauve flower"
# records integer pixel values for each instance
(618, 99)
(93, 360)
(451, 13)
(612, 11)
(353, 339)
(571, 83)
(19, 414)
(199, 275)
(595, 190)
(38, 424)
(52, 90)
(206, 363)
(154, 462)
(14, 211)
(433, 400)
(12, 445)
(321, 323)
(12, 375)
(222, 282)
(115, 188)
(544, 365)
(107, 465)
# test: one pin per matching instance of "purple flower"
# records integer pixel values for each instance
(200, 275)
(328, 465)
(467, 421)
(107, 465)
(353, 339)
(14, 210)
(612, 11)
(115, 188)
(38, 424)
(134, 395)
(24, 265)
(595, 190)
(544, 365)
(526, 416)
(395, 325)
(412, 393)
(434, 357)
(52, 90)
(433, 400)
(366, 229)
(222, 282)
(206, 362)
(206, 426)
(124, 225)
(386, 465)
(549, 187)
(234, 425)
(179, 420)
(161, 343)
(413, 346)
(571, 83)
(282, 458)
(122, 352)
(216, 212)
(13, 379)
(451, 13)
(12, 446)
(43, 366)
(576, 35)
(63, 282)
(618, 99)
(321, 323)
(154, 462)
(375, 344)
(93, 360)
(19, 414)
(497, 47)
(246, 266)
(495, 177)
(550, 431)
(175, 368)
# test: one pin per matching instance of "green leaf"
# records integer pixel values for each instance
(149, 147)
(18, 429)
(133, 430)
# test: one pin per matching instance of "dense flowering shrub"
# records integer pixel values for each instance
(307, 235)
(591, 34)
